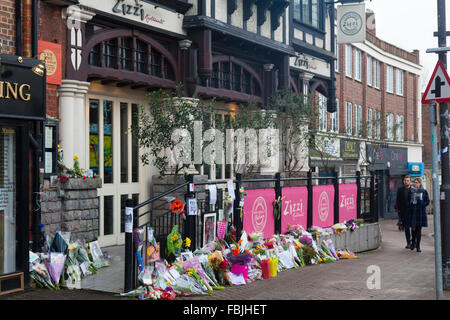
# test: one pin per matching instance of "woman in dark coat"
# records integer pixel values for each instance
(418, 199)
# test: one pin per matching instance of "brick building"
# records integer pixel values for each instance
(379, 113)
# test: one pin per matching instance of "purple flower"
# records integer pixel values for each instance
(305, 240)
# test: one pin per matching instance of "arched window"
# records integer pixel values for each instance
(132, 54)
(232, 75)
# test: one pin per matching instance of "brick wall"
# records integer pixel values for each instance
(7, 26)
(52, 28)
(358, 92)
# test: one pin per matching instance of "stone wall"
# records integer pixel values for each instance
(71, 206)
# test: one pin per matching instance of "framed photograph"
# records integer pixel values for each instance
(209, 227)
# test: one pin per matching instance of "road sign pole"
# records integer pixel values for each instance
(436, 202)
(445, 160)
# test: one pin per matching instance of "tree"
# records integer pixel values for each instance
(166, 112)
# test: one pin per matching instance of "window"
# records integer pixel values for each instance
(377, 124)
(120, 53)
(336, 50)
(358, 120)
(369, 71)
(389, 79)
(400, 128)
(232, 76)
(309, 12)
(322, 113)
(369, 123)
(376, 70)
(390, 126)
(348, 118)
(399, 82)
(358, 55)
(348, 60)
(334, 118)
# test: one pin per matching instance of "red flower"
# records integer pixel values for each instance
(268, 245)
(223, 264)
(167, 296)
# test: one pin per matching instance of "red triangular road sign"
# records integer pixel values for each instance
(438, 88)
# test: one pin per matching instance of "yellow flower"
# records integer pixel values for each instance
(188, 242)
(75, 157)
(59, 146)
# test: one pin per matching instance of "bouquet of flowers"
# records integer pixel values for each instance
(39, 272)
(194, 264)
(187, 284)
(55, 266)
(299, 251)
(237, 256)
(220, 266)
(176, 206)
(193, 273)
(346, 254)
(83, 258)
(227, 205)
(309, 254)
(174, 242)
(328, 246)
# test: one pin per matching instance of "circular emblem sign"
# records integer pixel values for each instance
(51, 63)
(259, 214)
(351, 23)
(324, 206)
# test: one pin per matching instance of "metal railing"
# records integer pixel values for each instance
(191, 225)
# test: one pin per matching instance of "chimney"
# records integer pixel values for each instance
(370, 22)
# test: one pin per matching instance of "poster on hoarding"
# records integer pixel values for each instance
(258, 212)
(323, 206)
(294, 207)
(347, 201)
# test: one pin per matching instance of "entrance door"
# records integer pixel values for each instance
(114, 156)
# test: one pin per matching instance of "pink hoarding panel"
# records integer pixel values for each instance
(258, 212)
(323, 206)
(294, 207)
(347, 201)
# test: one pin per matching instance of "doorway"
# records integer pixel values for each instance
(114, 156)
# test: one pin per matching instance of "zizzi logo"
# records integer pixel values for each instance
(293, 208)
(347, 202)
(324, 206)
(259, 214)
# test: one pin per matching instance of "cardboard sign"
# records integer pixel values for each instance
(347, 201)
(294, 207)
(258, 212)
(323, 206)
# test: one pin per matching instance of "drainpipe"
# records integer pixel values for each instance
(36, 232)
(18, 21)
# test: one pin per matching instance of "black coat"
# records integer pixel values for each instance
(418, 213)
(401, 204)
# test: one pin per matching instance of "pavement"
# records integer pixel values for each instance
(403, 275)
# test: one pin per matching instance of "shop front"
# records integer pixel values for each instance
(390, 165)
(22, 107)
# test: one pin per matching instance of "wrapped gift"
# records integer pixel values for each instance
(240, 269)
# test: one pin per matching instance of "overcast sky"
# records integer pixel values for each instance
(409, 24)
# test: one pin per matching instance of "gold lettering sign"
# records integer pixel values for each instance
(15, 91)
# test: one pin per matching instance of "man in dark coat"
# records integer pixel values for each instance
(402, 206)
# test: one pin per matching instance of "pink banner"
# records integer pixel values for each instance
(347, 201)
(294, 207)
(323, 206)
(258, 212)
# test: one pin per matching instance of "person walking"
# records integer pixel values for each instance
(402, 206)
(418, 200)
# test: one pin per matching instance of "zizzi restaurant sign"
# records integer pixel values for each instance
(258, 213)
(22, 88)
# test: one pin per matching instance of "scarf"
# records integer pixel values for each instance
(416, 194)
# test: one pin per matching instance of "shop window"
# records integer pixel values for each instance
(108, 173)
(50, 148)
(93, 136)
(309, 12)
(108, 215)
(123, 142)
